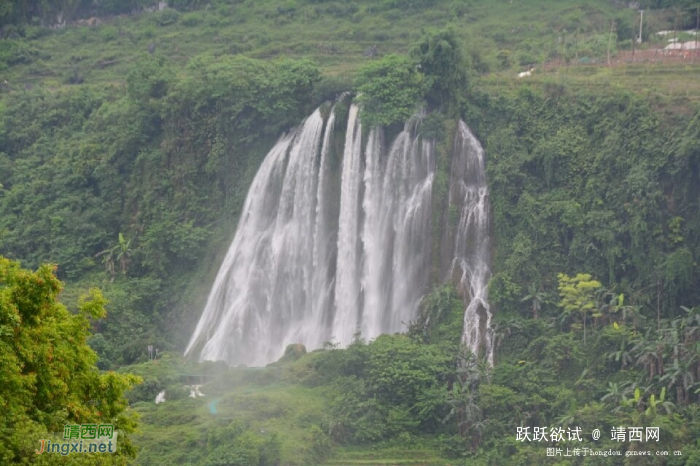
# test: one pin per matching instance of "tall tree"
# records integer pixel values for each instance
(48, 376)
(443, 65)
(578, 294)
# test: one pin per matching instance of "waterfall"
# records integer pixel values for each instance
(335, 238)
(347, 288)
(472, 251)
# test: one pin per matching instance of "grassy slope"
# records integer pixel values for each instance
(272, 400)
(337, 34)
(280, 409)
(675, 87)
(103, 55)
(175, 432)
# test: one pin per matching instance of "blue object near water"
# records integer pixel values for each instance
(212, 406)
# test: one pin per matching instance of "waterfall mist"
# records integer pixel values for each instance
(335, 238)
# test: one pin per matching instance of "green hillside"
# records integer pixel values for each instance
(339, 35)
(129, 139)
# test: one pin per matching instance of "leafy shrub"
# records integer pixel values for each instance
(192, 19)
(236, 445)
(100, 345)
(319, 448)
(15, 52)
(388, 387)
(329, 88)
(148, 31)
(443, 66)
(150, 78)
(453, 446)
(176, 391)
(388, 90)
(108, 33)
(338, 9)
(432, 126)
(13, 31)
(270, 451)
(409, 4)
(146, 391)
(166, 17)
(526, 58)
(74, 76)
(37, 32)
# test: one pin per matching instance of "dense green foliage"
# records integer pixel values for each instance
(607, 186)
(390, 392)
(258, 419)
(389, 90)
(138, 179)
(129, 170)
(408, 394)
(441, 61)
(601, 185)
(550, 378)
(48, 371)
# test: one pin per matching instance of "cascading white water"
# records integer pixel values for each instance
(397, 207)
(472, 256)
(331, 244)
(347, 287)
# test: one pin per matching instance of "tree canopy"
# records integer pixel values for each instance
(48, 376)
(389, 90)
(443, 65)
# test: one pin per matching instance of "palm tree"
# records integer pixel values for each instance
(462, 400)
(108, 256)
(631, 312)
(622, 355)
(538, 298)
(118, 254)
(472, 369)
(505, 327)
(690, 328)
(123, 253)
(617, 394)
(649, 355)
(655, 405)
(682, 377)
(566, 419)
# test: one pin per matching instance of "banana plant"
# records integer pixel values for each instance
(537, 297)
(119, 254)
(123, 253)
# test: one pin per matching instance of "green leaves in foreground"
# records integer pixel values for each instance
(48, 376)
